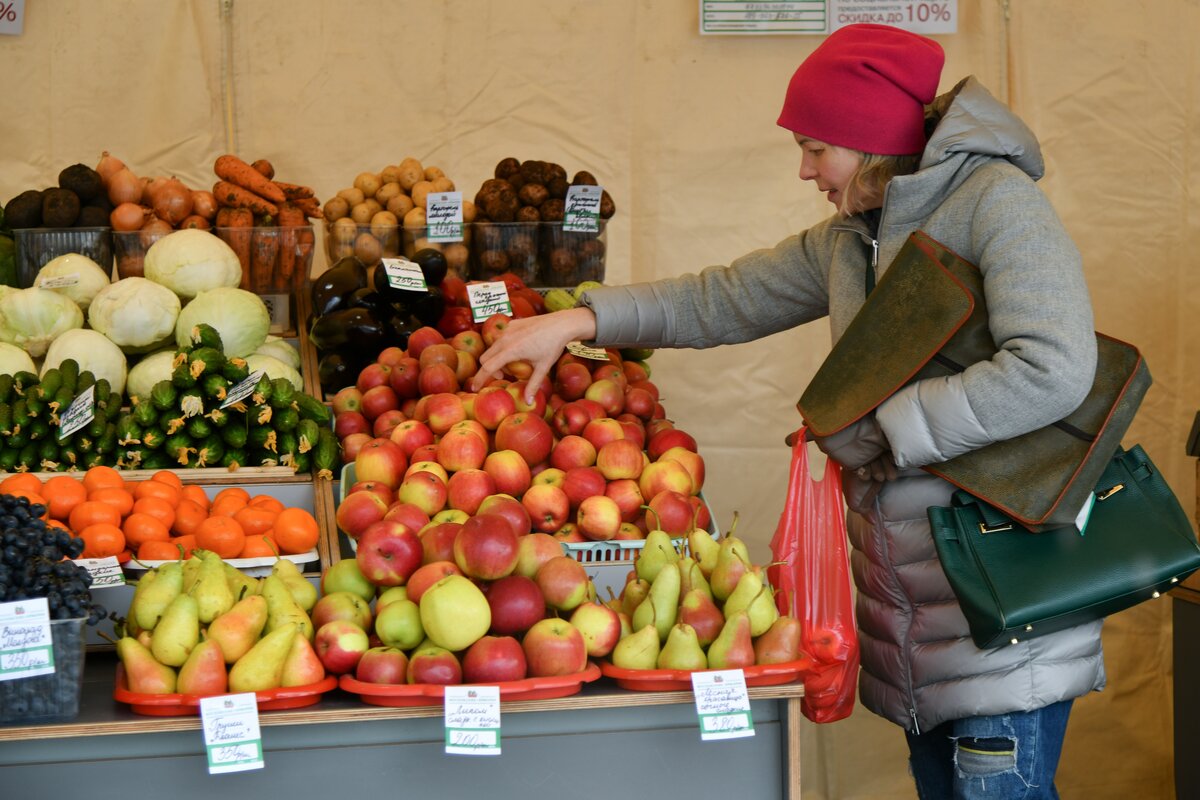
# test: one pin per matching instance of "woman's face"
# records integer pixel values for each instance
(829, 165)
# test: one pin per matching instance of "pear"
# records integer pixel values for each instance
(661, 605)
(262, 667)
(191, 570)
(692, 577)
(733, 560)
(145, 638)
(638, 650)
(177, 633)
(139, 590)
(241, 584)
(704, 549)
(143, 673)
(657, 551)
(613, 601)
(733, 648)
(302, 666)
(239, 628)
(780, 644)
(698, 610)
(282, 608)
(303, 592)
(212, 593)
(682, 650)
(165, 587)
(633, 594)
(203, 674)
(755, 599)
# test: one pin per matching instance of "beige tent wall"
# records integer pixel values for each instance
(680, 129)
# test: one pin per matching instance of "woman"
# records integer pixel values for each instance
(892, 159)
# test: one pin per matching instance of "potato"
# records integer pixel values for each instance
(389, 174)
(419, 191)
(415, 218)
(409, 173)
(387, 191)
(442, 184)
(353, 196)
(433, 173)
(361, 214)
(336, 208)
(456, 258)
(384, 223)
(400, 205)
(344, 231)
(368, 249)
(374, 205)
(469, 211)
(368, 183)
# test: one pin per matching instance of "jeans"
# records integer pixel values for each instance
(1002, 757)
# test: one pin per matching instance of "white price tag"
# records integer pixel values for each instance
(583, 351)
(81, 411)
(58, 281)
(243, 390)
(443, 215)
(26, 648)
(105, 572)
(12, 17)
(582, 211)
(404, 274)
(487, 299)
(723, 704)
(232, 738)
(820, 17)
(472, 716)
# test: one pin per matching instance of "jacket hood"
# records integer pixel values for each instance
(970, 120)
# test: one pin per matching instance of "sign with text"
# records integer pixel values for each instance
(231, 734)
(583, 351)
(81, 412)
(582, 210)
(487, 299)
(12, 17)
(824, 16)
(243, 390)
(105, 572)
(444, 216)
(473, 720)
(26, 648)
(723, 704)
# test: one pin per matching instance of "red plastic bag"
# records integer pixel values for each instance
(812, 581)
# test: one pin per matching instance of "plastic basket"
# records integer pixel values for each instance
(53, 697)
(38, 246)
(626, 550)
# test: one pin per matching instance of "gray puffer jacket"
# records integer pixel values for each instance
(974, 191)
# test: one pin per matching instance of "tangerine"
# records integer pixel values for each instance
(267, 502)
(160, 489)
(102, 478)
(168, 477)
(158, 508)
(101, 540)
(188, 516)
(93, 512)
(119, 499)
(21, 484)
(222, 535)
(197, 495)
(296, 531)
(158, 550)
(62, 494)
(140, 528)
(259, 547)
(255, 520)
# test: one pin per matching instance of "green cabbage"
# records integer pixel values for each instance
(32, 318)
(93, 351)
(278, 348)
(240, 317)
(138, 315)
(81, 278)
(274, 368)
(149, 371)
(13, 360)
(192, 261)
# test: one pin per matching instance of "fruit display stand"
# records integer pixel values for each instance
(643, 742)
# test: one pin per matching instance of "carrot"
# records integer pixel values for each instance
(294, 191)
(309, 206)
(228, 194)
(264, 168)
(305, 242)
(234, 226)
(264, 248)
(290, 219)
(239, 173)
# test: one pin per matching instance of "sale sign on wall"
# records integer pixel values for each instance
(824, 16)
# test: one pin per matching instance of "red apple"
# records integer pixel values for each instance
(609, 394)
(381, 460)
(373, 375)
(486, 547)
(411, 516)
(671, 512)
(403, 378)
(511, 509)
(470, 424)
(572, 380)
(427, 575)
(340, 645)
(438, 379)
(547, 505)
(426, 452)
(349, 422)
(598, 518)
(493, 328)
(600, 626)
(661, 442)
(692, 461)
(493, 660)
(548, 476)
(528, 435)
(509, 472)
(610, 372)
(342, 606)
(554, 647)
(434, 665)
(358, 511)
(825, 645)
(534, 550)
(635, 371)
(428, 466)
(347, 399)
(461, 449)
(440, 353)
(569, 533)
(620, 459)
(467, 488)
(635, 431)
(391, 355)
(516, 603)
(385, 492)
(583, 482)
(352, 444)
(379, 399)
(421, 338)
(540, 398)
(665, 474)
(444, 409)
(492, 405)
(572, 451)
(629, 532)
(437, 541)
(411, 434)
(564, 583)
(382, 665)
(469, 341)
(649, 386)
(639, 402)
(425, 490)
(455, 320)
(658, 425)
(602, 430)
(386, 422)
(628, 497)
(570, 418)
(388, 553)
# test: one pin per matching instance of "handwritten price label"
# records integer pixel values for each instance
(404, 274)
(232, 739)
(723, 704)
(443, 215)
(81, 412)
(473, 720)
(26, 649)
(105, 572)
(12, 17)
(487, 299)
(582, 211)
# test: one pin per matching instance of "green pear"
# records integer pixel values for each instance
(212, 592)
(692, 577)
(303, 592)
(638, 650)
(143, 673)
(657, 551)
(302, 666)
(682, 650)
(756, 600)
(662, 603)
(282, 608)
(780, 644)
(203, 674)
(733, 561)
(633, 594)
(191, 570)
(241, 584)
(177, 633)
(704, 549)
(733, 648)
(261, 668)
(139, 590)
(698, 610)
(153, 602)
(240, 627)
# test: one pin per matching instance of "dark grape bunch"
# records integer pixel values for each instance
(32, 565)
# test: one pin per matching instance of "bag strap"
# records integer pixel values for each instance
(992, 520)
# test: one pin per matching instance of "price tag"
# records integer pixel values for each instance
(443, 215)
(231, 734)
(582, 211)
(918, 17)
(278, 308)
(723, 704)
(26, 649)
(59, 281)
(243, 390)
(12, 17)
(81, 411)
(473, 720)
(404, 274)
(105, 572)
(487, 299)
(583, 351)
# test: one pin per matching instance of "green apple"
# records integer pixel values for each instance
(399, 625)
(345, 576)
(455, 613)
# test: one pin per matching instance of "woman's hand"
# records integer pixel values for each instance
(539, 340)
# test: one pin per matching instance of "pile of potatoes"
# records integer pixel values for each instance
(382, 215)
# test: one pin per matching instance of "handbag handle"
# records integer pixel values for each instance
(991, 520)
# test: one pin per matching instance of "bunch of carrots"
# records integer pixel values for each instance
(161, 519)
(250, 204)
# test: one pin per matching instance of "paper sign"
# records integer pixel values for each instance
(12, 17)
(473, 720)
(26, 648)
(487, 299)
(444, 216)
(105, 572)
(582, 210)
(81, 411)
(404, 274)
(583, 351)
(231, 734)
(59, 281)
(722, 704)
(243, 390)
(820, 17)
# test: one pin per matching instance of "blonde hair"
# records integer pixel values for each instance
(866, 185)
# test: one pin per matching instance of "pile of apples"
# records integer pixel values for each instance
(202, 627)
(593, 458)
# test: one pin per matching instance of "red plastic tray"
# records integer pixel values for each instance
(182, 705)
(427, 694)
(670, 680)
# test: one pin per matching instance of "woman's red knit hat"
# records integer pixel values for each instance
(865, 87)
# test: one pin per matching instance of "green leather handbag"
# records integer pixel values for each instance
(1014, 584)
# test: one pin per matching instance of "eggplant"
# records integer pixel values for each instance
(427, 307)
(402, 325)
(433, 265)
(338, 369)
(332, 288)
(350, 329)
(373, 301)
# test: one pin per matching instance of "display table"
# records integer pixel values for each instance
(604, 742)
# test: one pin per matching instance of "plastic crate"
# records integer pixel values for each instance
(53, 697)
(625, 551)
(38, 246)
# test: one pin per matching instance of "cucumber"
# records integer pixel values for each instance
(312, 408)
(307, 433)
(179, 449)
(191, 402)
(27, 460)
(263, 438)
(86, 379)
(144, 413)
(285, 419)
(111, 406)
(89, 460)
(23, 380)
(8, 458)
(262, 390)
(326, 454)
(108, 442)
(34, 405)
(62, 399)
(182, 377)
(219, 417)
(153, 438)
(303, 462)
(128, 431)
(205, 336)
(20, 414)
(234, 435)
(235, 370)
(96, 427)
(285, 442)
(6, 414)
(210, 452)
(206, 361)
(39, 429)
(48, 453)
(215, 386)
(103, 389)
(50, 383)
(68, 457)
(69, 370)
(156, 459)
(163, 396)
(233, 458)
(260, 414)
(282, 393)
(6, 387)
(198, 428)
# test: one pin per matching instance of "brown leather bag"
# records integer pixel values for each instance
(927, 318)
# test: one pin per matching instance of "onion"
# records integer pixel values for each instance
(128, 217)
(154, 229)
(172, 201)
(108, 165)
(204, 204)
(195, 221)
(124, 187)
(152, 187)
